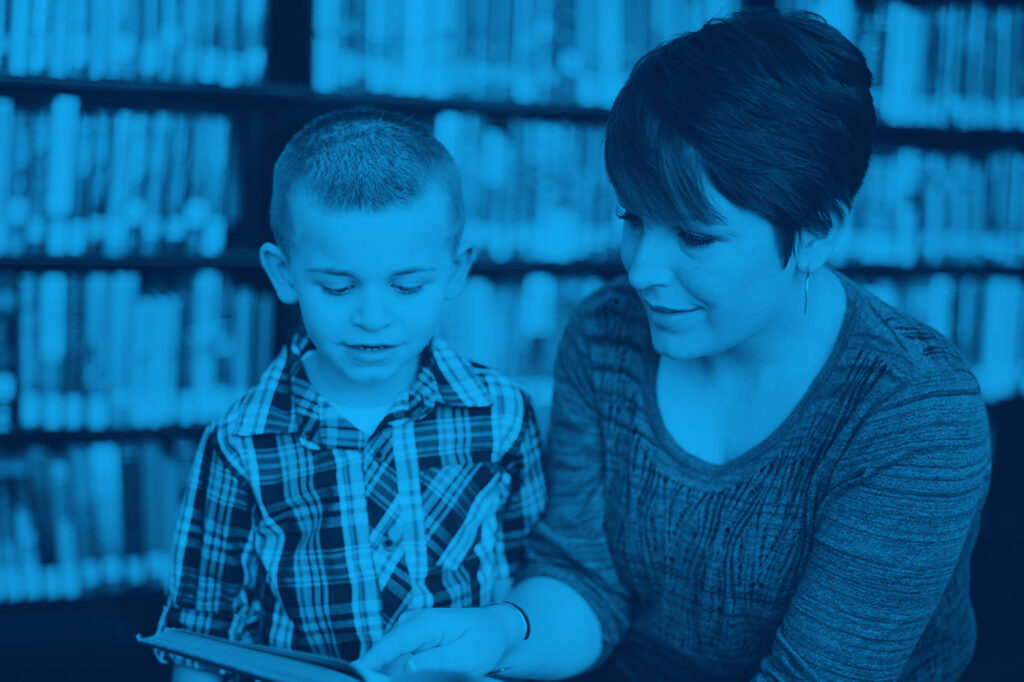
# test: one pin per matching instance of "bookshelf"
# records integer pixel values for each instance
(537, 101)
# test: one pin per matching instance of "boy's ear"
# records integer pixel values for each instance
(275, 264)
(465, 256)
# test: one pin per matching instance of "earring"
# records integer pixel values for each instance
(807, 282)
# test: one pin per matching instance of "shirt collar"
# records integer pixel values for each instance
(444, 377)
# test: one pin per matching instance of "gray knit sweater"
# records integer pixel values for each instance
(836, 549)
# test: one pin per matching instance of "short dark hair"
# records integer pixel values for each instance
(773, 109)
(362, 159)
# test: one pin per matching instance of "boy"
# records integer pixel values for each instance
(371, 470)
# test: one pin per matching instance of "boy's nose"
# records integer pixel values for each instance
(372, 313)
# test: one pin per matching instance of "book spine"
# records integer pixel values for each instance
(106, 492)
(8, 351)
(74, 397)
(254, 50)
(52, 346)
(7, 163)
(5, 38)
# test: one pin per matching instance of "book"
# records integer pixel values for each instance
(267, 663)
(8, 346)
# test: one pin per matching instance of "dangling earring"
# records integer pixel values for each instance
(807, 281)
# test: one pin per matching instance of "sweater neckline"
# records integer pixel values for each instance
(751, 458)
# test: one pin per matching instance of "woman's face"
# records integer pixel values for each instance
(709, 289)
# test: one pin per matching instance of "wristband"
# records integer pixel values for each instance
(526, 619)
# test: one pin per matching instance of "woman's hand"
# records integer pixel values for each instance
(459, 640)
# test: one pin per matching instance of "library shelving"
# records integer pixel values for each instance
(937, 229)
(220, 42)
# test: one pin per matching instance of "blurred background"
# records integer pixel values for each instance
(137, 140)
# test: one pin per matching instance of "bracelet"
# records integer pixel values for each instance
(526, 619)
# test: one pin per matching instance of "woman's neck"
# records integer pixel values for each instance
(793, 343)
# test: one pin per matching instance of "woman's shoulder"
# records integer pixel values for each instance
(910, 393)
(911, 352)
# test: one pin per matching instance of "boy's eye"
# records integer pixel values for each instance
(408, 290)
(339, 291)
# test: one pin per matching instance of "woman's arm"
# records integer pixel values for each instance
(577, 606)
(565, 636)
(888, 538)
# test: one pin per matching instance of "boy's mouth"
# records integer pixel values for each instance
(370, 348)
(372, 353)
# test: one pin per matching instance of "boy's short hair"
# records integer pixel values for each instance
(362, 159)
(774, 110)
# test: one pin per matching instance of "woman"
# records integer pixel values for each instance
(756, 469)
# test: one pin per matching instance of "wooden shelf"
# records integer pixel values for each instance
(62, 437)
(923, 270)
(286, 95)
(247, 262)
(949, 139)
(109, 593)
(231, 260)
(300, 99)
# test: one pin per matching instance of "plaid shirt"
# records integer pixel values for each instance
(299, 531)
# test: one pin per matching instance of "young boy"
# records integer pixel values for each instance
(371, 470)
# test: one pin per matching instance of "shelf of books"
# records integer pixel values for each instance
(942, 205)
(132, 308)
(206, 43)
(126, 321)
(525, 52)
(86, 518)
(946, 65)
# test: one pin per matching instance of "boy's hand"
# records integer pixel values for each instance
(457, 640)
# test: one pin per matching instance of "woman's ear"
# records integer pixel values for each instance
(465, 256)
(811, 251)
(275, 264)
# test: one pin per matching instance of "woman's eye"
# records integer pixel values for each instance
(340, 291)
(408, 290)
(632, 221)
(695, 240)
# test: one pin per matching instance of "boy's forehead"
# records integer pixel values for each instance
(431, 205)
(405, 234)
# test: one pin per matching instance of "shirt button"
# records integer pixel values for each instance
(389, 543)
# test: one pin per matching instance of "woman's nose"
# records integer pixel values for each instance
(648, 259)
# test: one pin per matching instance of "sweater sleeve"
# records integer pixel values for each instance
(569, 544)
(887, 538)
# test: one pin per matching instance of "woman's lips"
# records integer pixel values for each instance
(662, 310)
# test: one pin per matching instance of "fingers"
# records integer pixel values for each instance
(404, 638)
(434, 660)
(371, 675)
(437, 639)
(438, 676)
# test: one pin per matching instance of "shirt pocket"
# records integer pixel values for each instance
(458, 501)
(436, 453)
